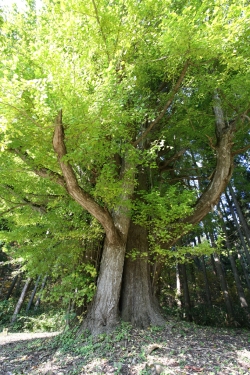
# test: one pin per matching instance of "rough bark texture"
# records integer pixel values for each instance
(223, 171)
(73, 188)
(137, 303)
(103, 314)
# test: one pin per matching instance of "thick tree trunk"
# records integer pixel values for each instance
(138, 305)
(103, 314)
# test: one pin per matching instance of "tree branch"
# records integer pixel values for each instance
(224, 168)
(25, 202)
(42, 172)
(73, 188)
(240, 150)
(167, 105)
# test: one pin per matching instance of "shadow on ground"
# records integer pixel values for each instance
(178, 348)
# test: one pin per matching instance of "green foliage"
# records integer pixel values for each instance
(165, 212)
(6, 311)
(39, 320)
(50, 321)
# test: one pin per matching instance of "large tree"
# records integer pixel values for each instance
(104, 107)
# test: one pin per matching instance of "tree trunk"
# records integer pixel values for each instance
(223, 284)
(178, 287)
(33, 294)
(21, 299)
(138, 305)
(40, 293)
(244, 245)
(244, 268)
(204, 270)
(187, 303)
(18, 285)
(12, 286)
(103, 314)
(240, 214)
(239, 288)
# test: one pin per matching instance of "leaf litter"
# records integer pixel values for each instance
(178, 348)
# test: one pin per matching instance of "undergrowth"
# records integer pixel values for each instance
(40, 320)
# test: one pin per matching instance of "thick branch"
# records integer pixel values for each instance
(25, 202)
(73, 188)
(240, 150)
(223, 171)
(42, 172)
(167, 105)
(166, 163)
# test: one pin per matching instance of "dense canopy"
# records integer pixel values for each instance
(115, 117)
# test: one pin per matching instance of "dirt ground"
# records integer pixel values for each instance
(178, 348)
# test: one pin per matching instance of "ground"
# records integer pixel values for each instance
(178, 348)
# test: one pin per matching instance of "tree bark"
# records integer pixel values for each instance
(21, 299)
(33, 294)
(37, 303)
(138, 305)
(224, 168)
(223, 284)
(12, 286)
(178, 287)
(219, 180)
(103, 312)
(244, 268)
(240, 290)
(204, 270)
(186, 295)
(243, 222)
(244, 245)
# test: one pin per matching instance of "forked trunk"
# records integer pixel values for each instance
(138, 305)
